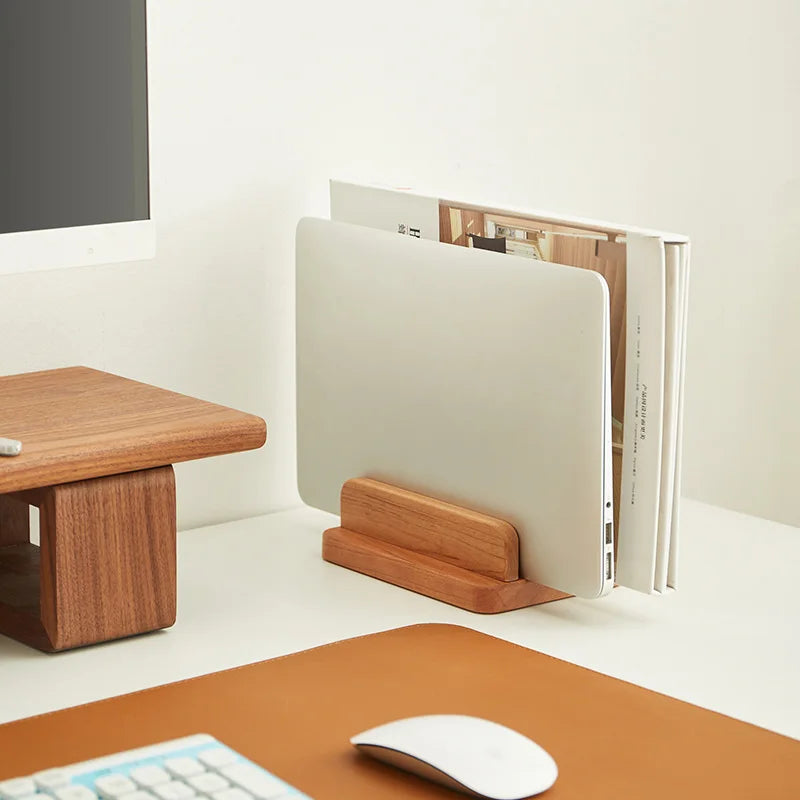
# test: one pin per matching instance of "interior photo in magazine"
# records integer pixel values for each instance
(586, 248)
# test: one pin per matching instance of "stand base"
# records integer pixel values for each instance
(105, 567)
(443, 551)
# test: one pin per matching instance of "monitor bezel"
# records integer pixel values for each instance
(87, 245)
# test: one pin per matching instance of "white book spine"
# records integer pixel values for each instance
(642, 426)
(672, 344)
(672, 570)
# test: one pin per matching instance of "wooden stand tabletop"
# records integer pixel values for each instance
(79, 423)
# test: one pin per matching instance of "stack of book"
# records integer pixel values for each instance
(648, 279)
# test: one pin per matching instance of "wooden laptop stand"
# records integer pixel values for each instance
(446, 552)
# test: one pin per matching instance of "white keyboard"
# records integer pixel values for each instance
(194, 768)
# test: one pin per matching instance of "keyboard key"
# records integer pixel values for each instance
(17, 788)
(75, 792)
(217, 757)
(232, 794)
(150, 776)
(174, 790)
(113, 786)
(207, 783)
(184, 767)
(140, 795)
(51, 779)
(253, 780)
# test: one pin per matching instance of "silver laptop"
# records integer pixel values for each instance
(469, 376)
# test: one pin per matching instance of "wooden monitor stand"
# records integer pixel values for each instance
(446, 552)
(96, 459)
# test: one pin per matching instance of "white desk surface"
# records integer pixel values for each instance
(728, 640)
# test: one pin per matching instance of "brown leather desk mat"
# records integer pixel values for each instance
(294, 715)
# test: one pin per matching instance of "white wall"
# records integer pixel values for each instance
(676, 115)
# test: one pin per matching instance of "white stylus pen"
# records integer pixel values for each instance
(10, 447)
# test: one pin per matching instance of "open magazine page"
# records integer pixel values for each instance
(598, 250)
(634, 268)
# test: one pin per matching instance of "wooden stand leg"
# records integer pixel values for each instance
(106, 565)
(14, 521)
(461, 557)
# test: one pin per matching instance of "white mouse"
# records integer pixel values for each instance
(469, 754)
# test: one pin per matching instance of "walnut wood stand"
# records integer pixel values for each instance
(96, 461)
(443, 551)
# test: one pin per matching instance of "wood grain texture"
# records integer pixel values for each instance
(108, 553)
(429, 576)
(452, 554)
(468, 221)
(106, 567)
(14, 521)
(455, 535)
(79, 423)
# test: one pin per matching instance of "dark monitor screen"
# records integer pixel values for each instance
(73, 113)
